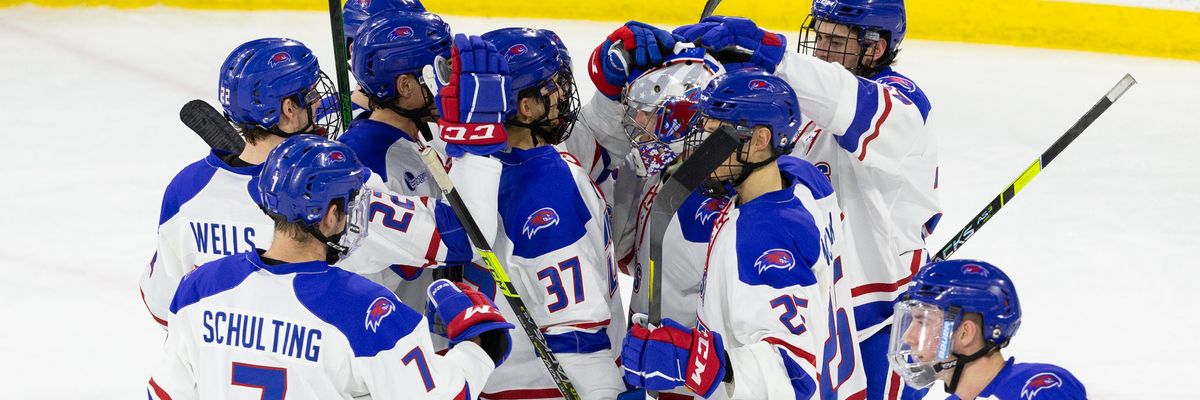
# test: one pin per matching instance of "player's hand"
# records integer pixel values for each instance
(669, 356)
(473, 97)
(625, 53)
(722, 34)
(469, 314)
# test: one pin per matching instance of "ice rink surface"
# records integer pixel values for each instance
(1104, 246)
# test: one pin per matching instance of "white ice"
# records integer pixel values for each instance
(1104, 246)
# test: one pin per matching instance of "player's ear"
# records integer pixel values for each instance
(525, 109)
(877, 50)
(402, 85)
(334, 216)
(761, 140)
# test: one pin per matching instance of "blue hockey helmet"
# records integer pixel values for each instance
(392, 43)
(882, 16)
(752, 97)
(303, 176)
(538, 61)
(931, 310)
(355, 12)
(258, 75)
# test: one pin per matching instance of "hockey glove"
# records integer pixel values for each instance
(468, 314)
(669, 356)
(626, 53)
(722, 34)
(473, 97)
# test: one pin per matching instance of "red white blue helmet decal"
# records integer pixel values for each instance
(540, 219)
(1035, 384)
(758, 84)
(279, 57)
(516, 50)
(380, 309)
(401, 32)
(774, 258)
(974, 270)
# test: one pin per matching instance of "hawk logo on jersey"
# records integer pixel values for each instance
(774, 258)
(972, 269)
(898, 81)
(279, 57)
(516, 50)
(759, 84)
(401, 32)
(709, 209)
(380, 309)
(540, 219)
(1038, 382)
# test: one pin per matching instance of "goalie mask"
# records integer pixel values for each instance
(660, 107)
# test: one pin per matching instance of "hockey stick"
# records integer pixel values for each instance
(709, 7)
(1034, 168)
(708, 156)
(211, 126)
(434, 164)
(340, 56)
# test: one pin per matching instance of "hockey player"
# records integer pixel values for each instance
(865, 128)
(950, 326)
(269, 88)
(597, 140)
(659, 108)
(391, 52)
(773, 296)
(553, 234)
(282, 320)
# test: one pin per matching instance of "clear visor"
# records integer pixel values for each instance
(921, 341)
(356, 223)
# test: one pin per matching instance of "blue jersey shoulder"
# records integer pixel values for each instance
(804, 173)
(778, 241)
(697, 214)
(369, 315)
(912, 94)
(540, 203)
(370, 141)
(212, 278)
(192, 179)
(1031, 381)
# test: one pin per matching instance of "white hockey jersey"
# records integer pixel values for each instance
(868, 136)
(395, 163)
(208, 212)
(242, 328)
(776, 287)
(549, 225)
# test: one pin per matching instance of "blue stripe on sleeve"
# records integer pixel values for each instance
(577, 342)
(802, 385)
(867, 104)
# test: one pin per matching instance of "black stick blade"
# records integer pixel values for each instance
(211, 126)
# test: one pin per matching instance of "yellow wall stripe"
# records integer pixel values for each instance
(1035, 23)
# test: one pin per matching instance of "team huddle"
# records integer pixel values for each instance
(322, 262)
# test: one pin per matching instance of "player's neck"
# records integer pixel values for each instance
(397, 121)
(256, 153)
(519, 137)
(763, 180)
(978, 374)
(289, 250)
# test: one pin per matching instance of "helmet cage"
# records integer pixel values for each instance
(811, 41)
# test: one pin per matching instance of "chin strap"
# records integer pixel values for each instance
(333, 250)
(961, 361)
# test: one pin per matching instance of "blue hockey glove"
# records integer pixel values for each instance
(626, 53)
(472, 98)
(468, 314)
(672, 355)
(719, 33)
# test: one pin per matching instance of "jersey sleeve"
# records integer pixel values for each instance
(168, 264)
(875, 122)
(173, 377)
(598, 140)
(413, 370)
(422, 232)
